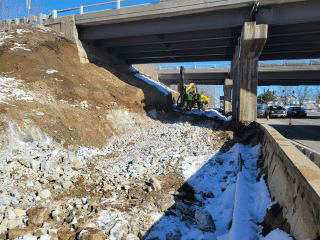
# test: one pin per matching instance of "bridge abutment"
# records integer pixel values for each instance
(245, 71)
(67, 25)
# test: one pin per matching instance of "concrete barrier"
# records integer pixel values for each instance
(310, 153)
(294, 182)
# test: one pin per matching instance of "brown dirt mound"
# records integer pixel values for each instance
(74, 99)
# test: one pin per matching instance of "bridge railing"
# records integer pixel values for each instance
(54, 13)
(82, 8)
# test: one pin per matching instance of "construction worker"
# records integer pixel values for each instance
(191, 92)
(203, 100)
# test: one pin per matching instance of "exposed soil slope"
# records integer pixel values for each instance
(66, 99)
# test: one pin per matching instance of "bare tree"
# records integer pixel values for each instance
(286, 93)
(302, 93)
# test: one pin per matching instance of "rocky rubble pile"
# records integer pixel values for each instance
(115, 192)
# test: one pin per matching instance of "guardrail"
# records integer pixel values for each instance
(54, 13)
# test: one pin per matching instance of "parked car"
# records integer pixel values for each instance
(276, 111)
(261, 111)
(296, 112)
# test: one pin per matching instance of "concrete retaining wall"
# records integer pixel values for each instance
(310, 153)
(294, 182)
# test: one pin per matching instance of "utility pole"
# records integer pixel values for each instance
(28, 6)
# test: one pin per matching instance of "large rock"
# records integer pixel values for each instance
(185, 208)
(155, 184)
(91, 234)
(18, 232)
(38, 215)
(20, 212)
(173, 235)
(45, 193)
(204, 221)
(76, 163)
(165, 203)
(131, 236)
(119, 231)
(45, 237)
(10, 214)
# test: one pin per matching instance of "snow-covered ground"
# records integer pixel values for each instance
(13, 88)
(161, 87)
(210, 114)
(230, 202)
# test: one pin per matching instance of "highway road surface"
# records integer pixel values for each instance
(303, 130)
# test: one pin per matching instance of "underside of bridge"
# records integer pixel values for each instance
(276, 75)
(296, 41)
(208, 36)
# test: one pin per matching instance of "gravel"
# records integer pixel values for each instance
(116, 190)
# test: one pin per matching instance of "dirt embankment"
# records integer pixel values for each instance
(64, 98)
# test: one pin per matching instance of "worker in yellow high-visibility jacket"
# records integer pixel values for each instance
(191, 92)
(204, 100)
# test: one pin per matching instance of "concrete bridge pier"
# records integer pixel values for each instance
(228, 84)
(244, 71)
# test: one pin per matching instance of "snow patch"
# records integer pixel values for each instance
(20, 46)
(44, 29)
(3, 37)
(51, 71)
(211, 114)
(11, 88)
(21, 31)
(161, 87)
(226, 186)
(276, 235)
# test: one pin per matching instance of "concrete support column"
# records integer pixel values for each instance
(228, 84)
(244, 71)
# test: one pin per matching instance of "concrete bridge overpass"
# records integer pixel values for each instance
(200, 30)
(289, 75)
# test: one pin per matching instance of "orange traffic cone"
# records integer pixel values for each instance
(267, 117)
(290, 126)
